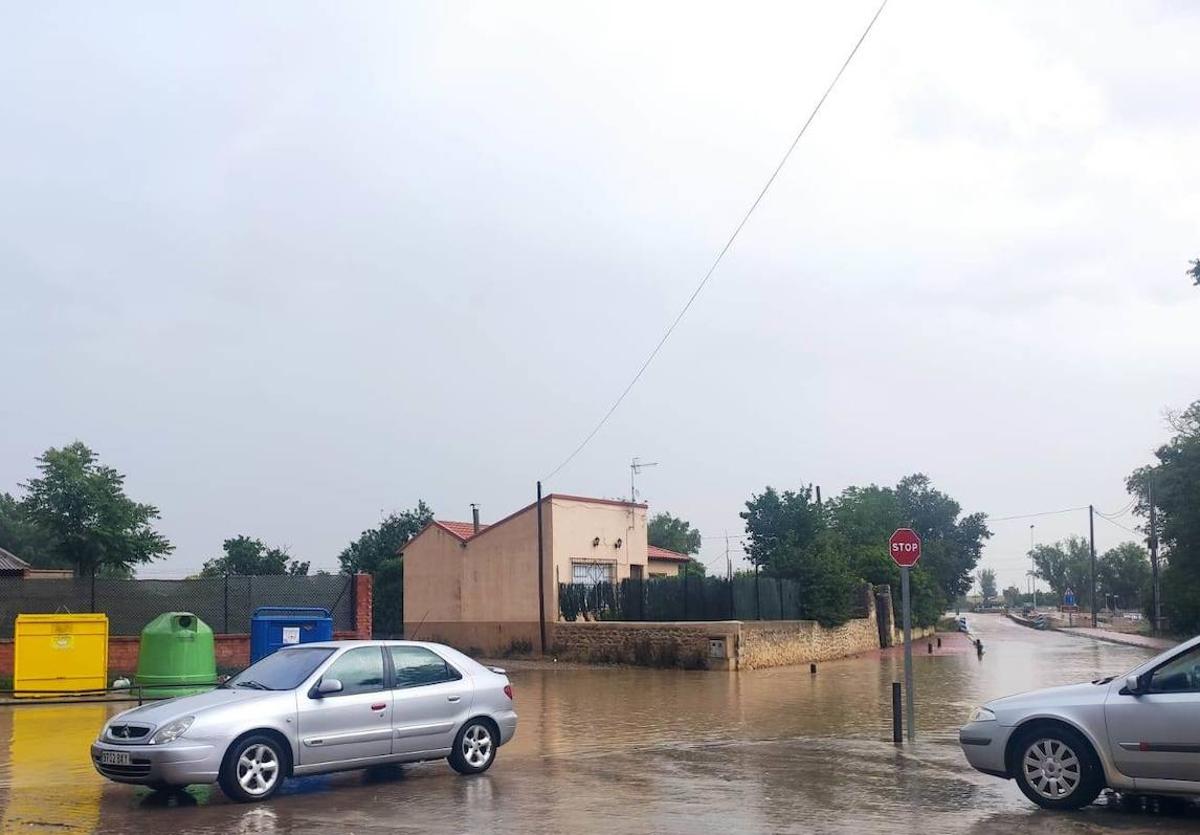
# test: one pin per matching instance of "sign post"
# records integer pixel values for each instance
(905, 549)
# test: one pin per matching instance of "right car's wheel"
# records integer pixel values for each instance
(474, 748)
(253, 769)
(1056, 767)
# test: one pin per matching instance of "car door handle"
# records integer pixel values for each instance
(379, 706)
(453, 698)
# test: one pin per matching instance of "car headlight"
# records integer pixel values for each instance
(981, 714)
(173, 730)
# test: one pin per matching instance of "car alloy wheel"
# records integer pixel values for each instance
(257, 770)
(477, 746)
(1051, 768)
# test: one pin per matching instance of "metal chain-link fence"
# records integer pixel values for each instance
(224, 603)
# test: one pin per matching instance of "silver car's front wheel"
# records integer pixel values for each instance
(253, 768)
(257, 770)
(1055, 766)
(474, 748)
(1052, 769)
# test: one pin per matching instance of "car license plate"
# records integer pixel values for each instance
(114, 758)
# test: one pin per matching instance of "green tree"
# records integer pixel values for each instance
(22, 535)
(376, 545)
(694, 568)
(377, 552)
(1176, 480)
(1066, 565)
(1012, 596)
(987, 585)
(781, 526)
(673, 533)
(92, 525)
(866, 516)
(950, 546)
(244, 555)
(1123, 572)
(1194, 272)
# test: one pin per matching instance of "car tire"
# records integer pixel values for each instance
(1056, 767)
(474, 747)
(254, 768)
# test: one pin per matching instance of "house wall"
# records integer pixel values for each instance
(664, 568)
(576, 524)
(481, 595)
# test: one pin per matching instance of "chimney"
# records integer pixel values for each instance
(475, 516)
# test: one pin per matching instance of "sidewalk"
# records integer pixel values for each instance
(1144, 641)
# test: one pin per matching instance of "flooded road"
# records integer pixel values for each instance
(631, 750)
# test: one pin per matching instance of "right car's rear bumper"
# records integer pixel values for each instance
(983, 745)
(507, 721)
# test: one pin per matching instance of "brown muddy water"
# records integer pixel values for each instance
(602, 750)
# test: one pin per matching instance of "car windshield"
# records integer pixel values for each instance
(283, 670)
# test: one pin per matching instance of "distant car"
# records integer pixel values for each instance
(313, 708)
(962, 624)
(1136, 733)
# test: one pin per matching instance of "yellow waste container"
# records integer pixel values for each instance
(60, 653)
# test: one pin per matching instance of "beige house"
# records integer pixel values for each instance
(476, 586)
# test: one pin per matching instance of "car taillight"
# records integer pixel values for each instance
(508, 691)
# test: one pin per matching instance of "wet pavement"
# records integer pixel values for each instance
(631, 750)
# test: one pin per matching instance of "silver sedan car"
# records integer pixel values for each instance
(1138, 734)
(314, 708)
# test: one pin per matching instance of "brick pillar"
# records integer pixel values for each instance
(362, 606)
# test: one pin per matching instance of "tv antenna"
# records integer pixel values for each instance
(635, 467)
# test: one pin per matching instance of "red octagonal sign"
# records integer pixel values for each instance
(905, 547)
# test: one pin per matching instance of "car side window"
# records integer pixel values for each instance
(417, 666)
(1179, 675)
(360, 670)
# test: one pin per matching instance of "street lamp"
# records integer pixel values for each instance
(1032, 569)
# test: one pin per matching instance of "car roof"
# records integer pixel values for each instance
(361, 642)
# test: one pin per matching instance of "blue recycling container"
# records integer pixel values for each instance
(272, 627)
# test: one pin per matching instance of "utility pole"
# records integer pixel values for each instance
(541, 573)
(1157, 610)
(1092, 545)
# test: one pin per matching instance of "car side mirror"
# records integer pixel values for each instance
(328, 686)
(1133, 685)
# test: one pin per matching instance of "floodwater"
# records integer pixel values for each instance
(631, 750)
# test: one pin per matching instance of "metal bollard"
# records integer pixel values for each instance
(939, 643)
(931, 648)
(812, 668)
(897, 735)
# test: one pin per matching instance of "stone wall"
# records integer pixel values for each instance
(682, 644)
(781, 643)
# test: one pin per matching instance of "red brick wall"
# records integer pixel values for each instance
(232, 651)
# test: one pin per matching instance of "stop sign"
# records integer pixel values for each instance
(905, 547)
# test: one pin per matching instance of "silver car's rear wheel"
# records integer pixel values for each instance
(474, 747)
(1051, 768)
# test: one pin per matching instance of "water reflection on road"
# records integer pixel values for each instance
(629, 750)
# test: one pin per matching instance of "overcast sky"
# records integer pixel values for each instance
(289, 266)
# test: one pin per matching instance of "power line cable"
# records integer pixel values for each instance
(1032, 515)
(1119, 525)
(724, 249)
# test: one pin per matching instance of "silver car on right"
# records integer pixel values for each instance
(1138, 734)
